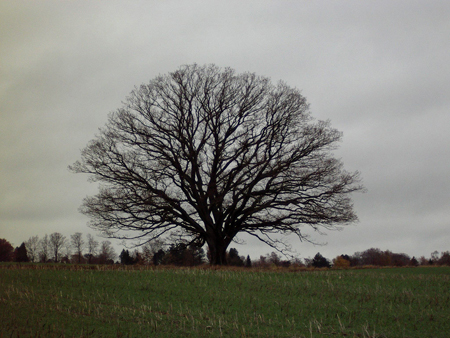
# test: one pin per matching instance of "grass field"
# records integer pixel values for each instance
(63, 301)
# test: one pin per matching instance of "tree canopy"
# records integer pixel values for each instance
(214, 153)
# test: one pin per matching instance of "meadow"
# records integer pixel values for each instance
(97, 301)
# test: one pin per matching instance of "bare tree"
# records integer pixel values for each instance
(92, 245)
(32, 246)
(56, 242)
(77, 243)
(44, 248)
(65, 254)
(149, 250)
(107, 253)
(215, 154)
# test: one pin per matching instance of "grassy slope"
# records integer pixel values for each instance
(412, 302)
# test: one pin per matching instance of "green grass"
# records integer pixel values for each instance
(54, 301)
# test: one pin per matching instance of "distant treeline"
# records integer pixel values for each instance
(56, 248)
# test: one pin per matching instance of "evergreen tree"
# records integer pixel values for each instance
(234, 258)
(20, 254)
(176, 254)
(125, 258)
(320, 262)
(248, 262)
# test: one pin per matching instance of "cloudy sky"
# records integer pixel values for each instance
(380, 71)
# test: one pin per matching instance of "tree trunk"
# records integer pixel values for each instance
(217, 252)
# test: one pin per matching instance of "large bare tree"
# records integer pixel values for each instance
(215, 154)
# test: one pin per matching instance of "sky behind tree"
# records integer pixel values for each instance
(378, 71)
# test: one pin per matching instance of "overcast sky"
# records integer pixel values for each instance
(380, 71)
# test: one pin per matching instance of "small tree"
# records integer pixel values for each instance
(297, 262)
(262, 262)
(434, 257)
(92, 245)
(149, 250)
(274, 258)
(414, 261)
(125, 258)
(248, 262)
(176, 254)
(44, 249)
(320, 262)
(77, 243)
(138, 258)
(158, 257)
(400, 259)
(147, 253)
(444, 259)
(107, 253)
(20, 254)
(6, 251)
(181, 254)
(234, 258)
(56, 242)
(341, 262)
(66, 252)
(32, 245)
(197, 255)
(375, 256)
(423, 260)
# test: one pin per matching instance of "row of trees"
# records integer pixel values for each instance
(57, 248)
(378, 257)
(78, 250)
(373, 257)
(178, 254)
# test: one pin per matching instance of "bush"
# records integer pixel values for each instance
(341, 262)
